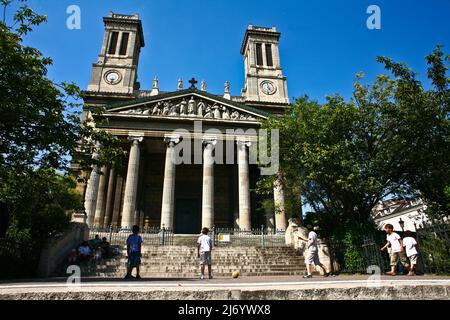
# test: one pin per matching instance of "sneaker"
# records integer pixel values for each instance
(202, 277)
(210, 276)
(307, 276)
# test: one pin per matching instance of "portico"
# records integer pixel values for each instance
(181, 197)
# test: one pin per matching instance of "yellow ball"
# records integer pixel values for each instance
(235, 274)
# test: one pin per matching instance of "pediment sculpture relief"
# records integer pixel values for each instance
(195, 108)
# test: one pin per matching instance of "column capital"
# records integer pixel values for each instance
(134, 138)
(243, 142)
(209, 140)
(172, 139)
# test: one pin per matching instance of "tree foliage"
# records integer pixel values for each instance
(40, 129)
(390, 138)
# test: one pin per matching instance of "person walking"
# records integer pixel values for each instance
(312, 257)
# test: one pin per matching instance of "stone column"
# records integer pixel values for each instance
(117, 201)
(264, 57)
(244, 186)
(141, 220)
(91, 195)
(168, 197)
(110, 198)
(131, 184)
(208, 184)
(235, 198)
(280, 214)
(101, 201)
(270, 219)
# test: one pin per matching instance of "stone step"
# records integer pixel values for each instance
(195, 275)
(161, 261)
(231, 266)
(181, 261)
(228, 250)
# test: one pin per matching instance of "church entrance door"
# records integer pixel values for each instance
(187, 216)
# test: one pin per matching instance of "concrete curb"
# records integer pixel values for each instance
(399, 292)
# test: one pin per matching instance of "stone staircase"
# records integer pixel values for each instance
(179, 261)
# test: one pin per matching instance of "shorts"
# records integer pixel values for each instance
(413, 259)
(205, 258)
(312, 257)
(134, 259)
(396, 256)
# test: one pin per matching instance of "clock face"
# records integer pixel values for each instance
(112, 77)
(268, 87)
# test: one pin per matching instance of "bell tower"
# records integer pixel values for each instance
(115, 73)
(264, 80)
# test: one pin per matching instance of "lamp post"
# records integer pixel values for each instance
(402, 224)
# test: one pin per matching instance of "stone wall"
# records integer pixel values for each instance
(59, 248)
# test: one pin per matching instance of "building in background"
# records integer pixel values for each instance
(402, 214)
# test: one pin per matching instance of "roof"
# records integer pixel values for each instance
(171, 94)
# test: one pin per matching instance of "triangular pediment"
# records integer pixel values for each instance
(189, 104)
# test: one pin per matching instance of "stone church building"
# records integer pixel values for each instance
(154, 191)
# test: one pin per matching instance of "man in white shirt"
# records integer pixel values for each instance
(312, 256)
(397, 252)
(410, 245)
(204, 247)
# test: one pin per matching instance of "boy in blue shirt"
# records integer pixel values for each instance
(134, 244)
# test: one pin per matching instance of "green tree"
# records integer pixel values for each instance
(40, 129)
(423, 129)
(390, 138)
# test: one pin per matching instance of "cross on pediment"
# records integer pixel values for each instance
(193, 82)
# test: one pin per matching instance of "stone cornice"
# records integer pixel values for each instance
(186, 93)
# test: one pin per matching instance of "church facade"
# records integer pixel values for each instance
(157, 190)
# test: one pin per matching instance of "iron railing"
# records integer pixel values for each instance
(259, 237)
(434, 247)
(358, 257)
(151, 236)
(17, 259)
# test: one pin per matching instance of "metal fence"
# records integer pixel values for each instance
(259, 237)
(357, 258)
(434, 247)
(151, 236)
(17, 259)
(433, 252)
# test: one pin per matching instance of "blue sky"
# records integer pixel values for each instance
(323, 43)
